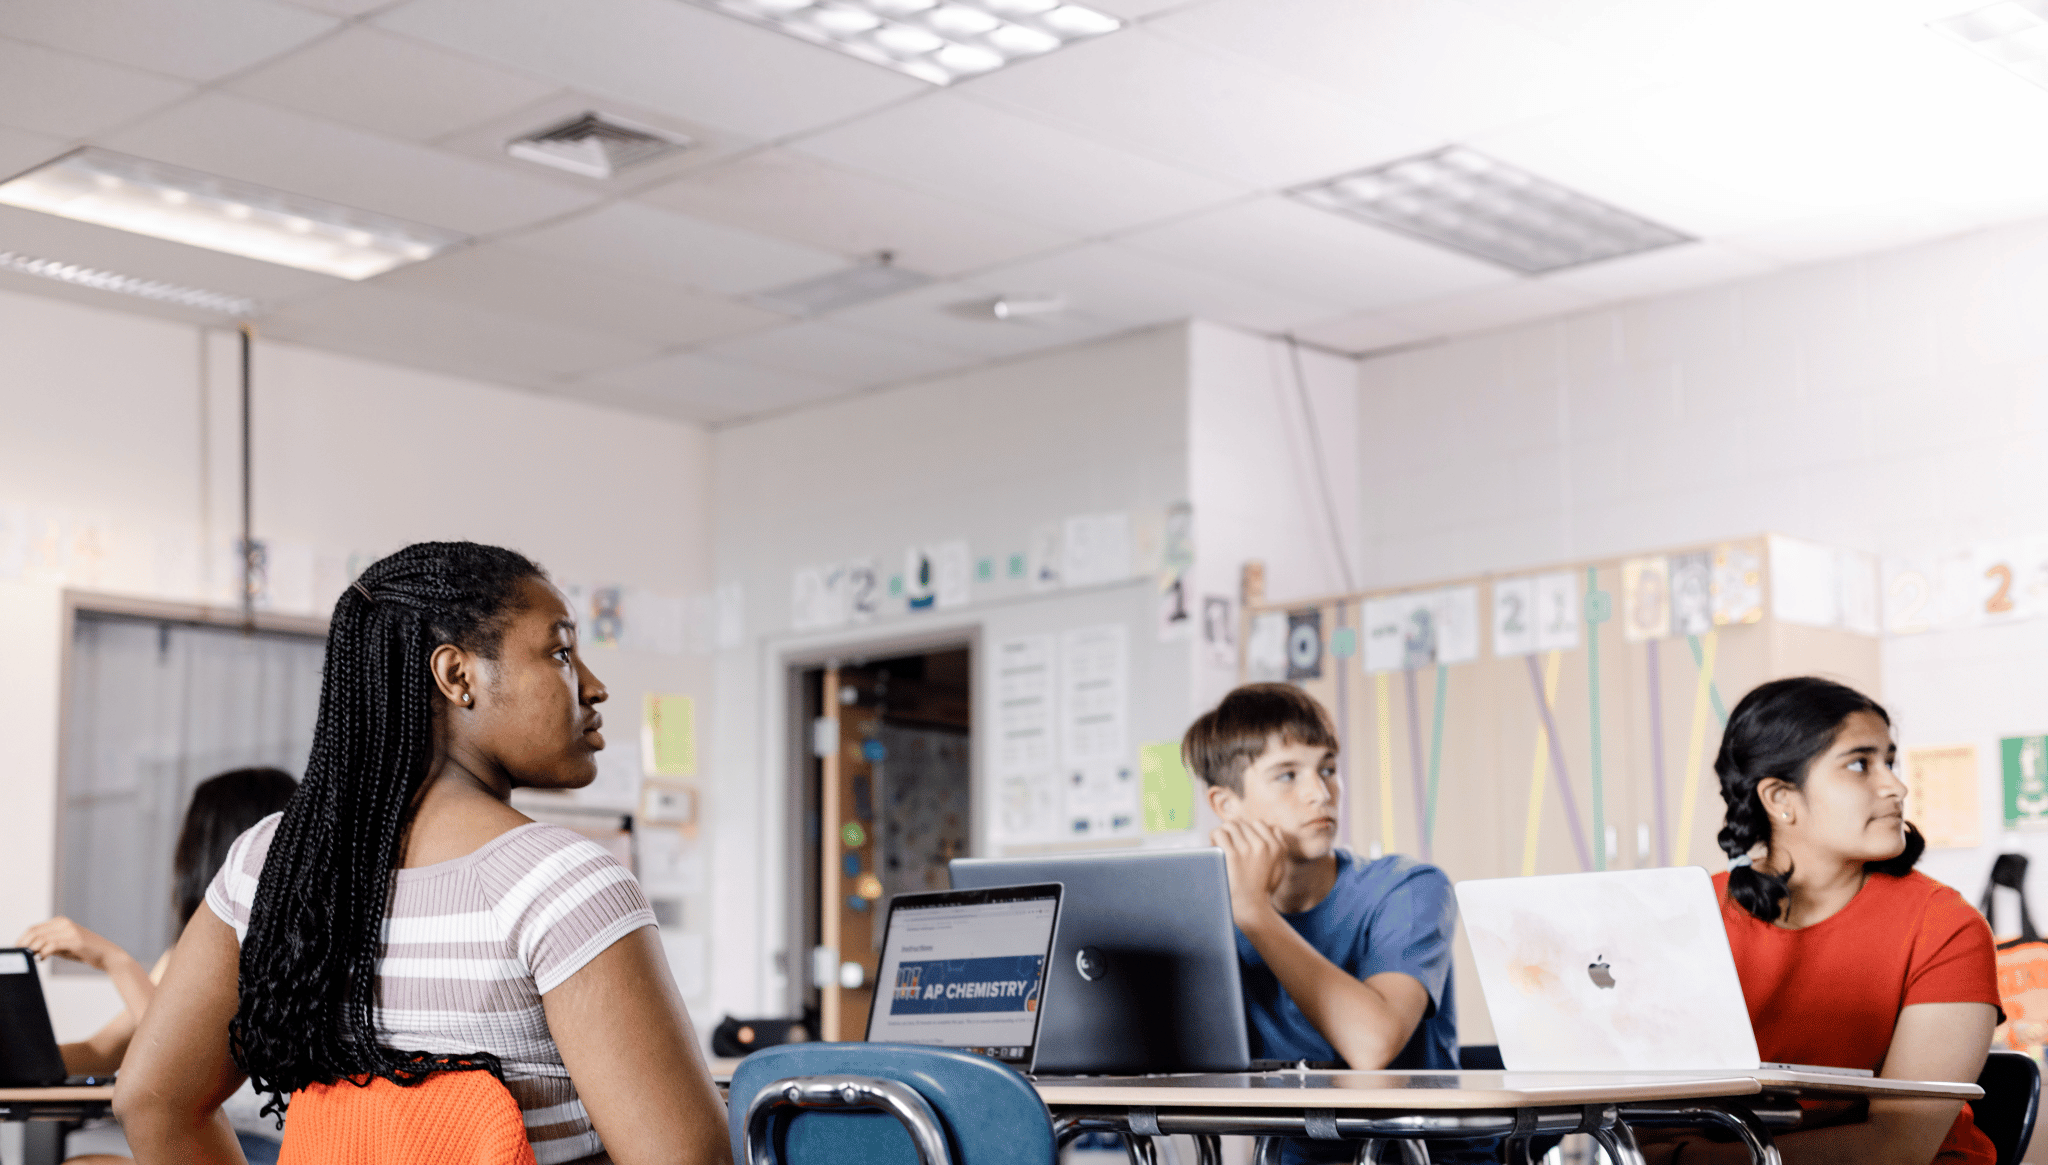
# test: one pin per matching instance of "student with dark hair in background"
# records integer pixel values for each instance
(1848, 958)
(400, 919)
(221, 808)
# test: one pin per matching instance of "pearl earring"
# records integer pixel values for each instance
(465, 698)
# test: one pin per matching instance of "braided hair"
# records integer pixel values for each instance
(1778, 731)
(309, 960)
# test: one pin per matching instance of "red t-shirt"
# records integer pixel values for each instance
(1829, 994)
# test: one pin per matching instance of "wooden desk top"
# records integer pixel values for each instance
(61, 1094)
(1393, 1090)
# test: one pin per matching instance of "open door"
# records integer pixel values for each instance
(893, 805)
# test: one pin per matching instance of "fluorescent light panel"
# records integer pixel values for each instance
(220, 214)
(940, 41)
(1471, 203)
(93, 277)
(2013, 33)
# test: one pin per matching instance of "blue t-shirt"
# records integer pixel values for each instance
(1388, 914)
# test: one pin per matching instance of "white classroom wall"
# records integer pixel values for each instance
(127, 426)
(1896, 403)
(986, 456)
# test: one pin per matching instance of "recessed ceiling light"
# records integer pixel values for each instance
(220, 214)
(594, 145)
(2013, 33)
(940, 41)
(1474, 204)
(868, 281)
(193, 297)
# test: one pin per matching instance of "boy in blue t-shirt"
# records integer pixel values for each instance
(1344, 959)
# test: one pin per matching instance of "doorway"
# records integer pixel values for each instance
(887, 800)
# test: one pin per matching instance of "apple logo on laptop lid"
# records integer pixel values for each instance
(1597, 971)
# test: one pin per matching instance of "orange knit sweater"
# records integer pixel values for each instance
(452, 1118)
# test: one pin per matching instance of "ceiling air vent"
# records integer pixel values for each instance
(594, 146)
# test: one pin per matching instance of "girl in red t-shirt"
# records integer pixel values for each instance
(1847, 957)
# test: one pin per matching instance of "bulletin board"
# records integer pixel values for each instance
(1548, 721)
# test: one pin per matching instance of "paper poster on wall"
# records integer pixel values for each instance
(1305, 644)
(668, 735)
(815, 598)
(1805, 586)
(920, 579)
(1856, 575)
(1738, 583)
(1047, 557)
(1176, 618)
(1167, 791)
(1024, 705)
(2012, 579)
(1028, 807)
(2024, 764)
(1941, 794)
(1457, 624)
(1385, 631)
(862, 590)
(1265, 650)
(618, 778)
(607, 622)
(1692, 593)
(1102, 800)
(1557, 611)
(1219, 630)
(1177, 541)
(670, 863)
(1097, 549)
(952, 574)
(1094, 671)
(1514, 616)
(1645, 598)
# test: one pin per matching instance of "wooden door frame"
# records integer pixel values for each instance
(789, 664)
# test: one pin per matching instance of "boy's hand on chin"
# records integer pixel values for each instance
(1255, 857)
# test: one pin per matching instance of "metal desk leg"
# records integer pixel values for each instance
(42, 1142)
(1267, 1151)
(1139, 1149)
(1620, 1144)
(1208, 1149)
(1747, 1127)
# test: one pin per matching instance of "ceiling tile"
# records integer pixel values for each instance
(1679, 268)
(21, 150)
(345, 7)
(1137, 9)
(664, 245)
(945, 314)
(837, 354)
(238, 138)
(1113, 282)
(697, 388)
(789, 196)
(1016, 166)
(50, 92)
(1224, 116)
(1826, 237)
(664, 54)
(1519, 302)
(1359, 332)
(501, 278)
(1316, 255)
(47, 236)
(199, 40)
(390, 85)
(1442, 65)
(406, 327)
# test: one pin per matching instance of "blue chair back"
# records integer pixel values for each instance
(2012, 1095)
(986, 1111)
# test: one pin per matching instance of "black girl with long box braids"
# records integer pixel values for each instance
(308, 967)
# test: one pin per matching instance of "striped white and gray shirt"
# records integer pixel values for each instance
(471, 945)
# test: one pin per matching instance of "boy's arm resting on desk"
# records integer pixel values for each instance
(1932, 1041)
(1368, 1021)
(178, 1070)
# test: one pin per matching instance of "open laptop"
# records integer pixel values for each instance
(28, 1046)
(1628, 970)
(965, 969)
(1145, 974)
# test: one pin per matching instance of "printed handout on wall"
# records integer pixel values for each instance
(1738, 583)
(1097, 549)
(1305, 644)
(1265, 650)
(1692, 593)
(1101, 800)
(1047, 560)
(1094, 668)
(1941, 794)
(1645, 598)
(1535, 613)
(1421, 629)
(1029, 808)
(1024, 706)
(1514, 616)
(1557, 612)
(1219, 630)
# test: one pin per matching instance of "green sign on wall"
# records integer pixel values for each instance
(2025, 761)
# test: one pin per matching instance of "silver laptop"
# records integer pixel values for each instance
(1621, 971)
(965, 969)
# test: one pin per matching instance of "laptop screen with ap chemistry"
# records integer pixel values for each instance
(965, 969)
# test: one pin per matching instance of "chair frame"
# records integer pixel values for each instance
(845, 1093)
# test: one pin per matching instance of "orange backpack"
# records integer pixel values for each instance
(2022, 967)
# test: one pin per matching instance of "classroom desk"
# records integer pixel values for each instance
(44, 1108)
